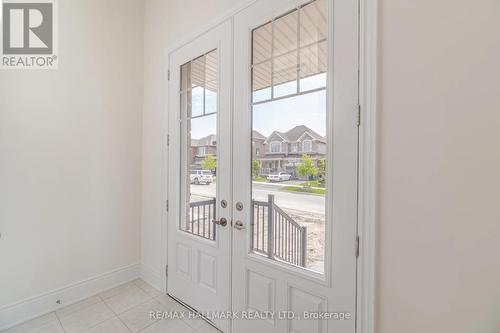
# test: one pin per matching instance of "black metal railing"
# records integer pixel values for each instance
(201, 219)
(275, 234)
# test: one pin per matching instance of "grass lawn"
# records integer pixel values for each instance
(260, 179)
(320, 191)
(314, 183)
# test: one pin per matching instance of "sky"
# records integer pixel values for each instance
(280, 115)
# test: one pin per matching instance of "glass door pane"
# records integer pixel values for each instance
(199, 145)
(289, 144)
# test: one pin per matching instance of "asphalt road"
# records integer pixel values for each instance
(291, 200)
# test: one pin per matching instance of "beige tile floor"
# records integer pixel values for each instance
(122, 309)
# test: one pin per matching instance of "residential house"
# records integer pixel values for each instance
(258, 149)
(282, 151)
(277, 152)
(201, 148)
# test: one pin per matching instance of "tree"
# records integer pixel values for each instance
(322, 170)
(255, 168)
(307, 168)
(209, 163)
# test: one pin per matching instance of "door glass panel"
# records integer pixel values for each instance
(261, 81)
(289, 143)
(285, 74)
(262, 46)
(284, 31)
(313, 66)
(313, 23)
(197, 101)
(199, 145)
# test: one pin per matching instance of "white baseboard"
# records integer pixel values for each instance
(28, 309)
(152, 276)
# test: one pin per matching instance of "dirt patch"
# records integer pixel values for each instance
(315, 224)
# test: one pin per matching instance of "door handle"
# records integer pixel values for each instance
(238, 225)
(221, 222)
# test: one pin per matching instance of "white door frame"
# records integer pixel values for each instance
(367, 202)
(369, 36)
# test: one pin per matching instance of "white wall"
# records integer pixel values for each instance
(166, 22)
(439, 162)
(439, 158)
(70, 154)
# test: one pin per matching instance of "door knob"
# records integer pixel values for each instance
(238, 225)
(221, 222)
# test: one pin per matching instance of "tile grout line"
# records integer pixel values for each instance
(124, 324)
(153, 298)
(141, 289)
(142, 329)
(59, 320)
(127, 310)
(98, 295)
(191, 310)
(203, 319)
(154, 322)
(102, 301)
(138, 286)
(141, 303)
(119, 292)
(75, 311)
(116, 315)
(99, 323)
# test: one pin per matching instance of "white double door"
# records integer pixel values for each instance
(270, 91)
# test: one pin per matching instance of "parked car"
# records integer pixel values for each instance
(279, 177)
(201, 177)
